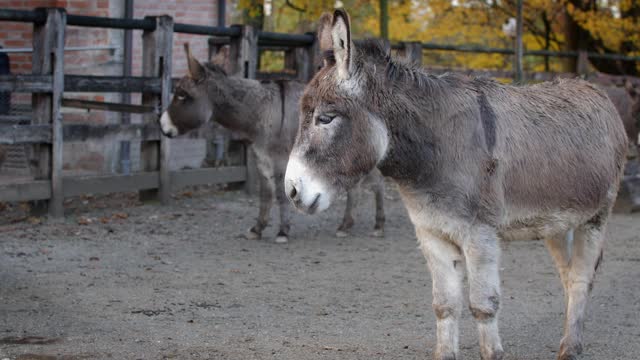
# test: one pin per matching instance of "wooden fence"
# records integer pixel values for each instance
(48, 83)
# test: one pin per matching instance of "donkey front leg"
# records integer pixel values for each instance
(347, 220)
(266, 199)
(445, 264)
(586, 256)
(482, 255)
(283, 203)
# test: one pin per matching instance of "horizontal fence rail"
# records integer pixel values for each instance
(35, 16)
(207, 30)
(75, 186)
(80, 83)
(111, 23)
(506, 51)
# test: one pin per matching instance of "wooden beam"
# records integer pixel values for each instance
(84, 83)
(223, 175)
(165, 32)
(15, 118)
(243, 54)
(107, 106)
(26, 191)
(75, 186)
(305, 61)
(48, 59)
(25, 134)
(41, 134)
(157, 48)
(56, 202)
(25, 83)
(112, 132)
(519, 47)
(79, 83)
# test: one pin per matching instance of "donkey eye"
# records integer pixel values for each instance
(325, 119)
(181, 97)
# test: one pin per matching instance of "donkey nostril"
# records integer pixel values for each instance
(293, 192)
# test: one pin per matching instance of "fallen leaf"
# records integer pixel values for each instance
(34, 220)
(84, 220)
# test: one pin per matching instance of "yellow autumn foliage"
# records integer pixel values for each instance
(469, 22)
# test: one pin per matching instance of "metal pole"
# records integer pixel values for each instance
(519, 47)
(384, 19)
(222, 11)
(125, 146)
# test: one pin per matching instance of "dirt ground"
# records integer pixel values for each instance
(132, 281)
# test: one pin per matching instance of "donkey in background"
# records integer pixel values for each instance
(266, 115)
(627, 101)
(472, 159)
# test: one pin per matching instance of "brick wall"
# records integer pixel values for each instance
(197, 12)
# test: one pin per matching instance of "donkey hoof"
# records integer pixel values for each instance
(252, 235)
(282, 239)
(379, 233)
(493, 355)
(341, 234)
(568, 357)
(444, 356)
(569, 351)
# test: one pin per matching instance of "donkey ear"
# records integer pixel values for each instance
(196, 70)
(324, 32)
(341, 39)
(221, 58)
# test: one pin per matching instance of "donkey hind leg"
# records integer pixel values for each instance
(347, 220)
(445, 264)
(482, 255)
(266, 199)
(378, 189)
(559, 246)
(585, 258)
(283, 204)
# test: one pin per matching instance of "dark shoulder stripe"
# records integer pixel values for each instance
(488, 118)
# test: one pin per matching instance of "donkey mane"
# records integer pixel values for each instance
(402, 71)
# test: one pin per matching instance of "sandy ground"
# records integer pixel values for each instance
(148, 282)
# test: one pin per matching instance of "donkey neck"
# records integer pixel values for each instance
(239, 103)
(418, 113)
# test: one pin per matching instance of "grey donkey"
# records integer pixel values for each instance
(472, 159)
(265, 115)
(627, 100)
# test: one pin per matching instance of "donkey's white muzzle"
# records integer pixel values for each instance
(166, 125)
(305, 189)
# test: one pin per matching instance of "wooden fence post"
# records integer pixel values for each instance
(48, 59)
(519, 47)
(243, 55)
(582, 63)
(305, 61)
(157, 48)
(412, 51)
